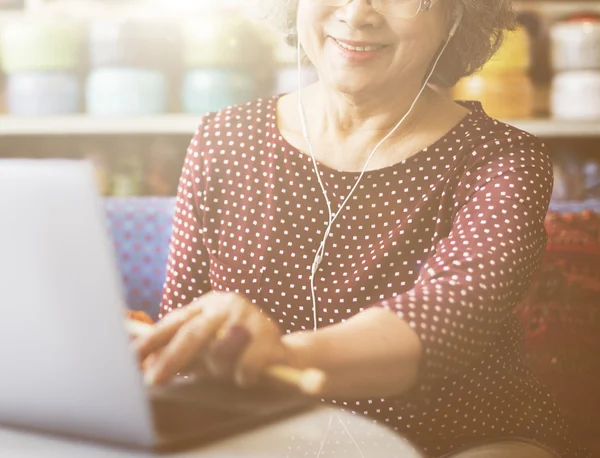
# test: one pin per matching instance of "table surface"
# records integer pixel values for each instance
(323, 432)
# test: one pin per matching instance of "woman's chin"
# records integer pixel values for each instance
(351, 85)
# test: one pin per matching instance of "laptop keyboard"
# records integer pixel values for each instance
(221, 394)
(175, 416)
(212, 402)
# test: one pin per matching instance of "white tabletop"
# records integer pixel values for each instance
(333, 432)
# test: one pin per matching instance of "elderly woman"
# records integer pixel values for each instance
(381, 232)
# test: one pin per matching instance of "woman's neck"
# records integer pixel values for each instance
(374, 115)
(349, 128)
(344, 131)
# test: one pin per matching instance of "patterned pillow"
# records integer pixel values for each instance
(140, 229)
(561, 315)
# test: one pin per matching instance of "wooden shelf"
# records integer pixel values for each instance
(89, 125)
(557, 9)
(186, 125)
(554, 128)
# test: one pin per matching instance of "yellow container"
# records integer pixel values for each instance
(48, 44)
(508, 96)
(514, 54)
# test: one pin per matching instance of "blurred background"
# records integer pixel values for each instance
(124, 83)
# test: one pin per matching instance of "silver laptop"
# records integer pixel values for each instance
(67, 367)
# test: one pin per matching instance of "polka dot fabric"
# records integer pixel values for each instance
(448, 239)
(140, 229)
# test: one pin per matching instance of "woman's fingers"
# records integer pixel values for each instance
(164, 331)
(261, 353)
(185, 346)
(230, 341)
(230, 335)
(225, 351)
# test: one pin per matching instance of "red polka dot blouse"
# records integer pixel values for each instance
(448, 239)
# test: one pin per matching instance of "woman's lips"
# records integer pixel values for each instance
(358, 51)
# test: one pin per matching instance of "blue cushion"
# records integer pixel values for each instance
(140, 229)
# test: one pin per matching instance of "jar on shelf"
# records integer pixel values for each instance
(540, 68)
(221, 39)
(42, 59)
(36, 44)
(31, 93)
(227, 60)
(507, 96)
(503, 85)
(513, 56)
(211, 89)
(132, 42)
(575, 44)
(576, 95)
(135, 66)
(124, 91)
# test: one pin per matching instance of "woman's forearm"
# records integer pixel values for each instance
(373, 354)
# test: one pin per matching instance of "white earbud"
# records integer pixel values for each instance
(459, 16)
(299, 75)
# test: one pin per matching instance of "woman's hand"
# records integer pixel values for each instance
(224, 331)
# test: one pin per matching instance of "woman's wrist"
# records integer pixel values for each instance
(374, 353)
(302, 349)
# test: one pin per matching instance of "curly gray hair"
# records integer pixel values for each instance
(477, 38)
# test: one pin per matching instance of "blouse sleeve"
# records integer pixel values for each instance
(477, 274)
(187, 272)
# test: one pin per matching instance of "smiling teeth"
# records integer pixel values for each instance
(359, 48)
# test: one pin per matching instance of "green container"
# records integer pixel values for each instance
(220, 40)
(41, 45)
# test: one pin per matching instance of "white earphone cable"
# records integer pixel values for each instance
(331, 216)
(321, 249)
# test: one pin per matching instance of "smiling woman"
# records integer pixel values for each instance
(477, 38)
(372, 228)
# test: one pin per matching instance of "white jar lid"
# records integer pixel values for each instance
(576, 95)
(581, 80)
(569, 29)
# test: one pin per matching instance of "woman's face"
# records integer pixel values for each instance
(397, 50)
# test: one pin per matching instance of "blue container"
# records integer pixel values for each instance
(287, 78)
(126, 92)
(209, 89)
(42, 93)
